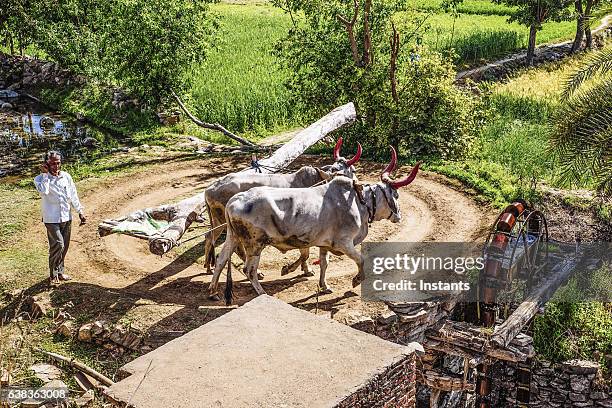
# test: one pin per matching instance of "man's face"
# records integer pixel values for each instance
(54, 164)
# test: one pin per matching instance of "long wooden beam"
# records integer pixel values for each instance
(504, 333)
(445, 382)
(463, 339)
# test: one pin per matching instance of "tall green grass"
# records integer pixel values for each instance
(485, 45)
(478, 37)
(241, 85)
(484, 7)
(510, 157)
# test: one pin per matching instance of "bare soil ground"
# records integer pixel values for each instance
(117, 278)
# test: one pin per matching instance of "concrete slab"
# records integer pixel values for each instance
(263, 354)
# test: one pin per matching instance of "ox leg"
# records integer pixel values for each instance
(350, 250)
(324, 256)
(302, 260)
(242, 254)
(209, 243)
(304, 255)
(250, 270)
(222, 260)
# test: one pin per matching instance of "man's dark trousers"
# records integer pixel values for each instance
(59, 240)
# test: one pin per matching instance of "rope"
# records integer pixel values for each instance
(257, 166)
(201, 235)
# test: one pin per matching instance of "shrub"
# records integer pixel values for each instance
(403, 93)
(573, 330)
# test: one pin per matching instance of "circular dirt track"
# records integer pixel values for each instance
(431, 209)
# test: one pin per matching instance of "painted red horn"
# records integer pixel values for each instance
(408, 179)
(337, 149)
(355, 158)
(390, 167)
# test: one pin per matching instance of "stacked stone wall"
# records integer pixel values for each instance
(393, 388)
(574, 383)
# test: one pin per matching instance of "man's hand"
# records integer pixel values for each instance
(82, 218)
(44, 168)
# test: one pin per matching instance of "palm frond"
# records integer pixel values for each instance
(582, 136)
(598, 63)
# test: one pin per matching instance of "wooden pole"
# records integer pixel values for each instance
(505, 332)
(290, 151)
(80, 366)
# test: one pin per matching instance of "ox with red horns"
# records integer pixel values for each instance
(220, 193)
(334, 217)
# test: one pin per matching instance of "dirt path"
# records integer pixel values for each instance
(120, 272)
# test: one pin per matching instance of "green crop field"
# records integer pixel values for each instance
(241, 85)
(480, 37)
(485, 7)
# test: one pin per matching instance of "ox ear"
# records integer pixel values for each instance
(324, 176)
(358, 187)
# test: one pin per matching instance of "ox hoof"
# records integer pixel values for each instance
(326, 291)
(284, 270)
(309, 273)
(356, 281)
(260, 275)
(214, 297)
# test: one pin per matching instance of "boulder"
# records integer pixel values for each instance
(46, 372)
(84, 333)
(65, 329)
(8, 93)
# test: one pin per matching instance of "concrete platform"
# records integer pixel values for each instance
(265, 354)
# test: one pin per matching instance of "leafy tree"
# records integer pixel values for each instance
(586, 13)
(582, 127)
(153, 51)
(533, 13)
(15, 24)
(143, 46)
(342, 51)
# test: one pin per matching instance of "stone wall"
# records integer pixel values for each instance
(573, 383)
(24, 72)
(405, 324)
(393, 388)
(29, 75)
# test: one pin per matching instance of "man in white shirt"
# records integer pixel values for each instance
(58, 194)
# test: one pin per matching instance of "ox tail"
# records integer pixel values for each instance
(229, 283)
(211, 261)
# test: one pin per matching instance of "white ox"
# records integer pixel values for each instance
(218, 195)
(332, 216)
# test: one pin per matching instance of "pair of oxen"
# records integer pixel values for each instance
(314, 207)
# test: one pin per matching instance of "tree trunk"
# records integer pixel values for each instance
(587, 18)
(532, 42)
(579, 26)
(589, 38)
(20, 39)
